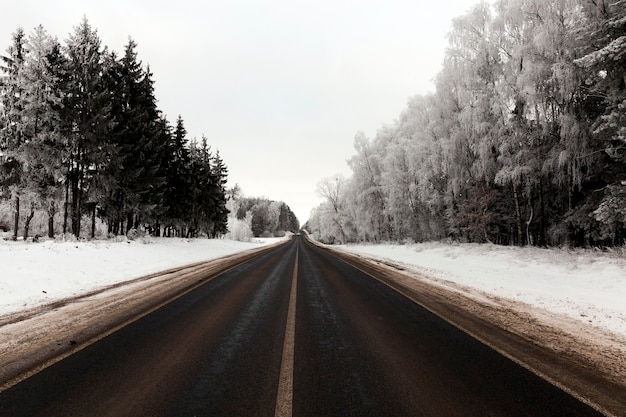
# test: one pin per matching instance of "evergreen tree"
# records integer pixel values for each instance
(178, 189)
(12, 127)
(603, 49)
(220, 178)
(199, 183)
(136, 191)
(287, 220)
(43, 149)
(89, 109)
(80, 125)
(164, 152)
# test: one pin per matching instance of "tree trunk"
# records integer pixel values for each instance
(542, 215)
(66, 204)
(77, 194)
(569, 238)
(129, 222)
(28, 220)
(518, 217)
(75, 216)
(570, 191)
(93, 222)
(529, 238)
(79, 207)
(74, 205)
(51, 211)
(16, 222)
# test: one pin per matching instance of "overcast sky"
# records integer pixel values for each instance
(280, 87)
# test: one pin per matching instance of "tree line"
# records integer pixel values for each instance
(258, 217)
(522, 142)
(267, 217)
(83, 141)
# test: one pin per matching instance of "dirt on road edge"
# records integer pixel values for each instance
(581, 360)
(584, 361)
(33, 340)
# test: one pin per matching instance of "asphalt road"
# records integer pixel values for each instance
(295, 331)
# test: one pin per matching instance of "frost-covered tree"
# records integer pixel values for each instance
(603, 50)
(521, 142)
(332, 213)
(43, 146)
(267, 217)
(238, 228)
(80, 128)
(373, 218)
(12, 123)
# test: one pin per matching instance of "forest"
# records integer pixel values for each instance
(85, 150)
(258, 217)
(522, 142)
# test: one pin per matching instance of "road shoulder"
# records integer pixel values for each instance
(581, 360)
(35, 339)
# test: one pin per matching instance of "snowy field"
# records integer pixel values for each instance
(34, 274)
(589, 286)
(586, 285)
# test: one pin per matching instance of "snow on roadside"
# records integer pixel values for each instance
(589, 286)
(34, 274)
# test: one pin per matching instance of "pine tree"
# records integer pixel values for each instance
(136, 190)
(153, 189)
(80, 125)
(42, 152)
(178, 180)
(220, 178)
(89, 115)
(164, 151)
(603, 49)
(287, 220)
(198, 182)
(12, 125)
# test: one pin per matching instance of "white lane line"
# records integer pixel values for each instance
(284, 399)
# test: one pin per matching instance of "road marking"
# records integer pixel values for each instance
(284, 399)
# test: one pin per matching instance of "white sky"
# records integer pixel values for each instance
(280, 87)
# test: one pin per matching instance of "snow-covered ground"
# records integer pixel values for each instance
(586, 285)
(34, 274)
(589, 286)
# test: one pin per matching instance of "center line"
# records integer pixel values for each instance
(284, 399)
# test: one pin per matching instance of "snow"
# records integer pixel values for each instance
(35, 274)
(586, 285)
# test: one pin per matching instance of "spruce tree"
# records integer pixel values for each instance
(177, 193)
(42, 100)
(136, 191)
(12, 124)
(220, 214)
(89, 109)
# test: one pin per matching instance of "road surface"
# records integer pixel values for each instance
(295, 331)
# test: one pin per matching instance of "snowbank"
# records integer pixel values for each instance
(589, 286)
(33, 274)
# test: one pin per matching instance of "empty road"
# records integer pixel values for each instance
(295, 331)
